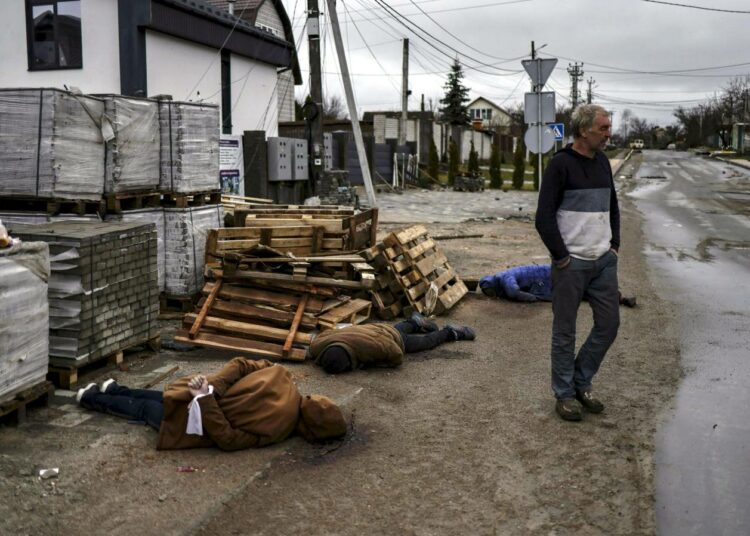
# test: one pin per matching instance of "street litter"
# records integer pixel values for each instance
(46, 474)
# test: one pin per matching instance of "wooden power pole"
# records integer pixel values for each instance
(316, 93)
(404, 95)
(346, 79)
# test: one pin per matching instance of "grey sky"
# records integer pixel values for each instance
(614, 34)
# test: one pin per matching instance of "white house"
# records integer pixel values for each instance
(270, 16)
(146, 48)
(487, 114)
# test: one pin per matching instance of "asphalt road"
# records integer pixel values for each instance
(697, 234)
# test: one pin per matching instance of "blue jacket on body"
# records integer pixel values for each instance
(522, 283)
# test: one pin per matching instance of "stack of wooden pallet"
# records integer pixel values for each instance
(412, 274)
(265, 303)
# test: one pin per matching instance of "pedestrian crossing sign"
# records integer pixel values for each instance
(558, 129)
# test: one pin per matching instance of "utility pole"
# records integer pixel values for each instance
(590, 82)
(315, 116)
(404, 95)
(576, 75)
(346, 79)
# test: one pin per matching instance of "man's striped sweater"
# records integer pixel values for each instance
(577, 212)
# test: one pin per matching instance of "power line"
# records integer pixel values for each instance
(409, 25)
(675, 4)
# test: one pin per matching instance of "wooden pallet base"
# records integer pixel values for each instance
(53, 207)
(355, 311)
(15, 408)
(66, 375)
(193, 199)
(177, 304)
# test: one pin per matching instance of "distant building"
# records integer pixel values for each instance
(485, 114)
(145, 48)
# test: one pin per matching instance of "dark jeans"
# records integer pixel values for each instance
(134, 404)
(416, 341)
(597, 281)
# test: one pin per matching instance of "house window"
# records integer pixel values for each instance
(53, 31)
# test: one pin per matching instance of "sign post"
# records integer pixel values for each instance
(539, 108)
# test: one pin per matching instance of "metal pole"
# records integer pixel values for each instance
(361, 153)
(316, 92)
(404, 95)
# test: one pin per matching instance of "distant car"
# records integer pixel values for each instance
(671, 147)
(636, 145)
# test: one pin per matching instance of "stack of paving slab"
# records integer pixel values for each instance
(148, 215)
(189, 147)
(103, 294)
(185, 232)
(24, 317)
(51, 144)
(131, 128)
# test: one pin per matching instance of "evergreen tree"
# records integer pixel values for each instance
(453, 161)
(496, 177)
(535, 167)
(519, 165)
(454, 110)
(433, 163)
(473, 161)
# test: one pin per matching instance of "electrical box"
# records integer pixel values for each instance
(300, 159)
(279, 159)
(327, 151)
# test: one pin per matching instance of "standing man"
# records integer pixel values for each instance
(578, 220)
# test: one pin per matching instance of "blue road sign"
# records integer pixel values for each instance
(559, 130)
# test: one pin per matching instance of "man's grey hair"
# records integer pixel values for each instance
(583, 118)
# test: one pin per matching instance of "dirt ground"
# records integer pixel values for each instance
(459, 440)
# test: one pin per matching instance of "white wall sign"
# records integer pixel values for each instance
(231, 165)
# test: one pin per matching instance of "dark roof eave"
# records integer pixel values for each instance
(210, 27)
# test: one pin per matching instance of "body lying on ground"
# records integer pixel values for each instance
(528, 283)
(381, 345)
(246, 404)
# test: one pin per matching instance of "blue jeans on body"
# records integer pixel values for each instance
(597, 281)
(135, 404)
(416, 341)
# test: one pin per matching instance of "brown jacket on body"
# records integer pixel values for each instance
(369, 345)
(254, 404)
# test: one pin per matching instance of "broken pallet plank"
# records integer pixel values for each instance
(265, 297)
(354, 312)
(244, 311)
(254, 330)
(291, 336)
(224, 342)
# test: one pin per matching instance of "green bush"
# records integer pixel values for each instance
(496, 176)
(519, 165)
(453, 162)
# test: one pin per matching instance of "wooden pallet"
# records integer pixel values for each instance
(358, 230)
(417, 264)
(118, 202)
(53, 207)
(192, 199)
(65, 372)
(354, 311)
(177, 304)
(298, 240)
(15, 406)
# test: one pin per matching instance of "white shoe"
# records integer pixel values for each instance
(106, 385)
(83, 390)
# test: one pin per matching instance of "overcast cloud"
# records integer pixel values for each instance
(632, 35)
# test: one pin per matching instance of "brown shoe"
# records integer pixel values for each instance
(568, 409)
(588, 401)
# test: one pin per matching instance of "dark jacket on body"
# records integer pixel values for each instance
(369, 345)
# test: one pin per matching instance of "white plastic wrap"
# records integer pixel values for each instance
(148, 215)
(189, 147)
(51, 145)
(24, 316)
(185, 232)
(132, 160)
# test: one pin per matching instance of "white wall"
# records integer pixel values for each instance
(174, 67)
(99, 40)
(255, 100)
